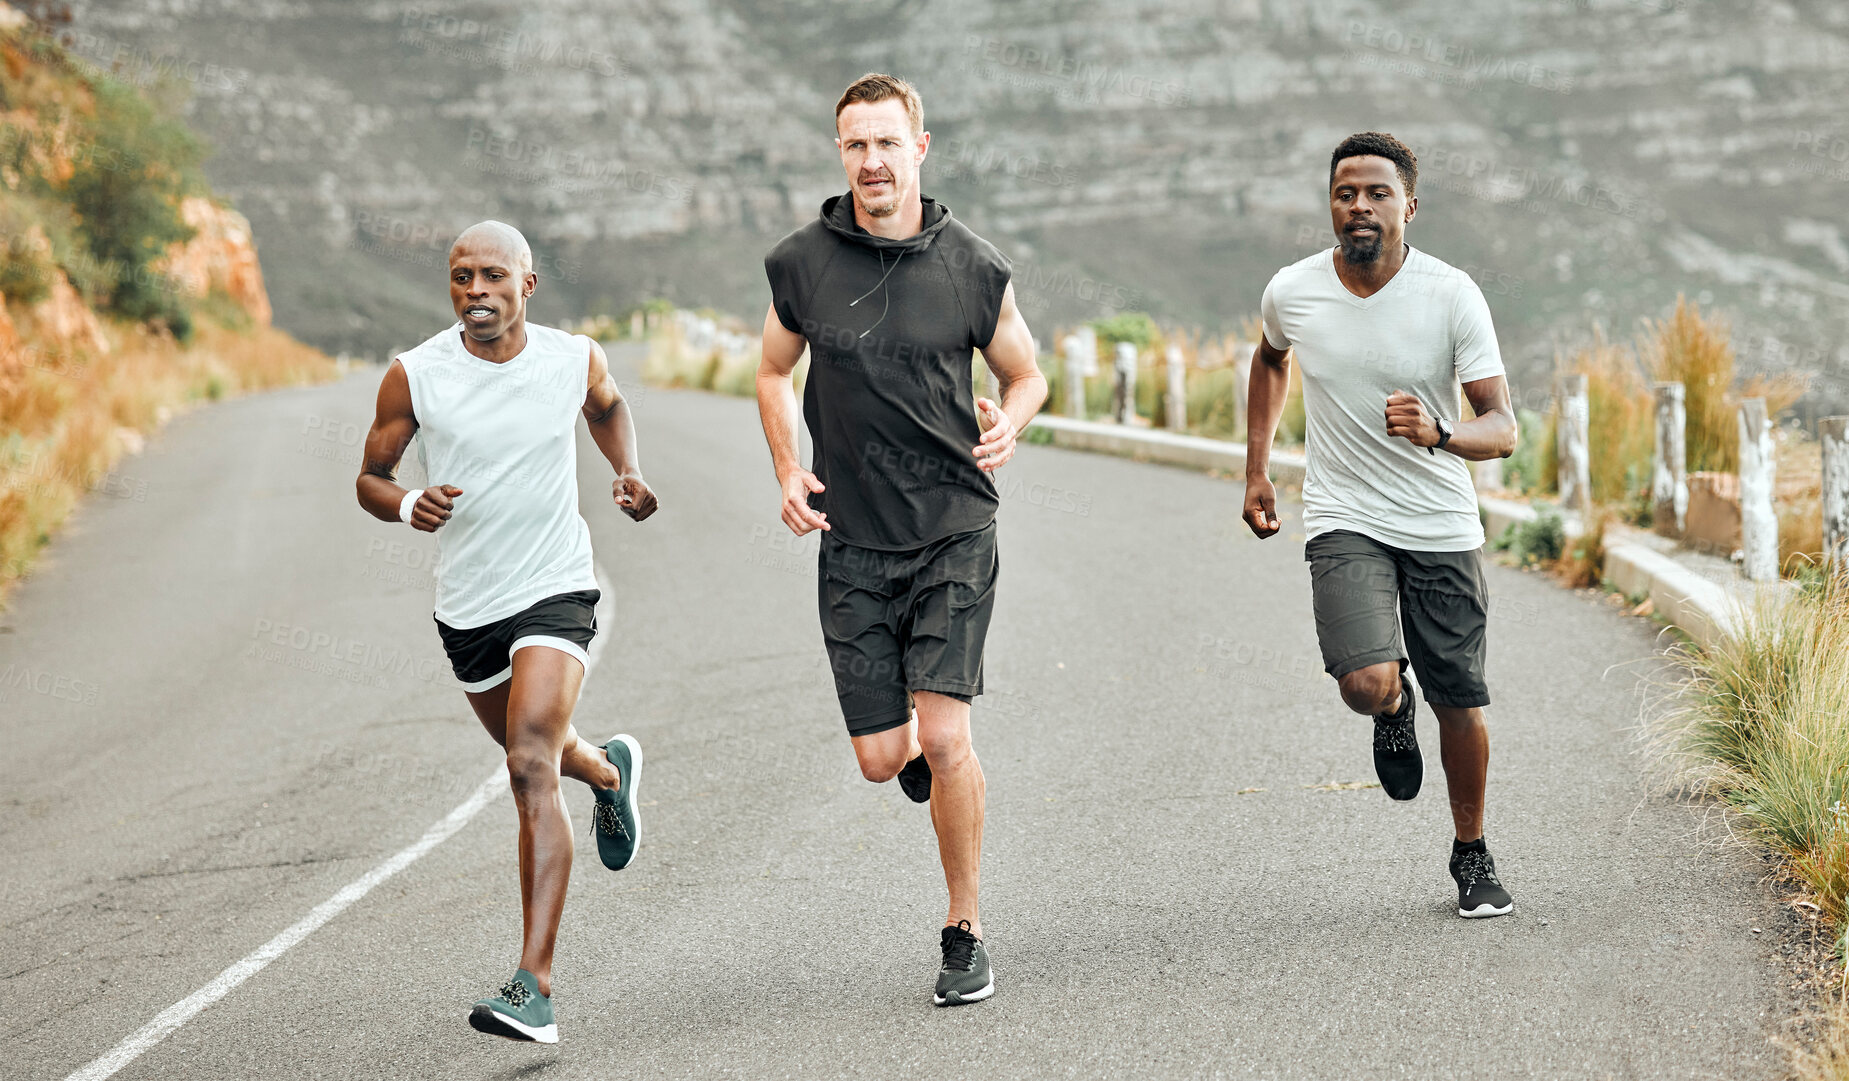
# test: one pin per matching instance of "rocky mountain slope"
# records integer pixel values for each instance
(1585, 159)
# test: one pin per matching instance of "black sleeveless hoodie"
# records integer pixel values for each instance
(891, 325)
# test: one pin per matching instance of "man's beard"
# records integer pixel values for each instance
(887, 207)
(1359, 251)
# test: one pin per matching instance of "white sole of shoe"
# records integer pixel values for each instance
(634, 781)
(954, 999)
(1485, 911)
(496, 1023)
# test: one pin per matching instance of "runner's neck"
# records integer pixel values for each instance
(1370, 278)
(907, 222)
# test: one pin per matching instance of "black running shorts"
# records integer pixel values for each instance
(1365, 593)
(483, 657)
(898, 622)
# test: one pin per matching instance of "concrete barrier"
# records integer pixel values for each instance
(1706, 607)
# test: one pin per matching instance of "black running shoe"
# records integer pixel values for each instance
(965, 976)
(1479, 892)
(1397, 761)
(915, 779)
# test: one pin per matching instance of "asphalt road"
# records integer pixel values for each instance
(222, 700)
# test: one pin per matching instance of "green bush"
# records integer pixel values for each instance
(1531, 468)
(1137, 328)
(125, 187)
(1539, 541)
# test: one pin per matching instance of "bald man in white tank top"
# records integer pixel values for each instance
(496, 400)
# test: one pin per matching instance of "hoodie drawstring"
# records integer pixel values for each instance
(885, 298)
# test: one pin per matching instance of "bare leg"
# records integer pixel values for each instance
(581, 760)
(1373, 690)
(957, 793)
(1463, 746)
(536, 722)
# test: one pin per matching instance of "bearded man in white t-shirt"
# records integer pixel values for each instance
(1384, 334)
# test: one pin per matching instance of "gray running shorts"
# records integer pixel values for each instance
(898, 622)
(1366, 594)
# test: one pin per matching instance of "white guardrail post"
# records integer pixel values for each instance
(1758, 472)
(1669, 481)
(1834, 432)
(1575, 460)
(1177, 389)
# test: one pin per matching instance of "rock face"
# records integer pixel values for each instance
(1584, 160)
(221, 257)
(65, 323)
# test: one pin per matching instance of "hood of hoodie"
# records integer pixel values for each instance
(838, 216)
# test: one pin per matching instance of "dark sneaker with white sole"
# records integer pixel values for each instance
(517, 1012)
(1397, 761)
(915, 779)
(614, 819)
(1479, 891)
(965, 976)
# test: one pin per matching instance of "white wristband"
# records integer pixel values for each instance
(404, 508)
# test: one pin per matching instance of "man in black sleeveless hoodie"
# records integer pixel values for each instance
(890, 295)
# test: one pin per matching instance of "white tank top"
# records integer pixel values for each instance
(506, 435)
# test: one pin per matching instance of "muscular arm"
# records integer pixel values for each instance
(393, 425)
(1010, 355)
(1490, 434)
(1266, 390)
(614, 432)
(777, 411)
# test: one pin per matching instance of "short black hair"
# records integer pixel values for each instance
(1380, 145)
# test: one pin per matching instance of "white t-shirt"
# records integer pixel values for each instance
(506, 435)
(1424, 332)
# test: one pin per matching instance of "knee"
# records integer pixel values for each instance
(944, 748)
(880, 768)
(1371, 689)
(531, 774)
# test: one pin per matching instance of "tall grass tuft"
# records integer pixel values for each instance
(1623, 426)
(1764, 718)
(1696, 351)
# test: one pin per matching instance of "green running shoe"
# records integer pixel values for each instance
(965, 976)
(614, 820)
(517, 1012)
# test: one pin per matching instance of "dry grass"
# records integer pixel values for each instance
(1828, 1058)
(1799, 502)
(1763, 721)
(1582, 564)
(1696, 351)
(672, 363)
(69, 418)
(1623, 420)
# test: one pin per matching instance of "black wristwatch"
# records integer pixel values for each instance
(1444, 434)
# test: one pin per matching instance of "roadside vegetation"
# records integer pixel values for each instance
(105, 331)
(1215, 394)
(1761, 724)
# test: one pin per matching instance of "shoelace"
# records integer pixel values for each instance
(604, 816)
(1474, 867)
(515, 992)
(960, 950)
(1394, 736)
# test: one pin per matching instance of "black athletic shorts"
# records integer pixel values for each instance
(898, 622)
(1442, 602)
(483, 657)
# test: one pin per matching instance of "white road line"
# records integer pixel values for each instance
(189, 1007)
